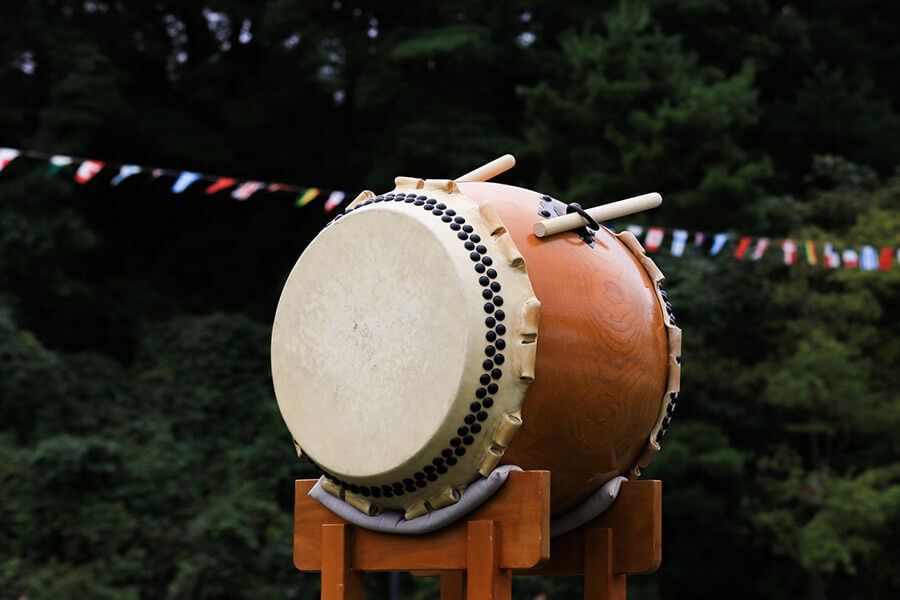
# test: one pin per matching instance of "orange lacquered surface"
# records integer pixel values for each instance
(601, 357)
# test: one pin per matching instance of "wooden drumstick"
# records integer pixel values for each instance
(613, 210)
(491, 169)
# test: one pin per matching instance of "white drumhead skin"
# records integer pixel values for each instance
(403, 346)
(371, 332)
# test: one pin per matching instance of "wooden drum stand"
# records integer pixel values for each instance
(476, 557)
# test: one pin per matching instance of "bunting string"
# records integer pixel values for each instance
(655, 239)
(239, 189)
(789, 251)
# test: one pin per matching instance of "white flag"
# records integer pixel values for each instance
(334, 200)
(7, 155)
(247, 189)
(760, 248)
(679, 239)
(832, 258)
(60, 160)
(654, 238)
(125, 171)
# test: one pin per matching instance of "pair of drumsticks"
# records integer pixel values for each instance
(613, 210)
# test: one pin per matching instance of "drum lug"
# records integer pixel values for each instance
(491, 220)
(503, 435)
(416, 510)
(445, 497)
(363, 505)
(409, 182)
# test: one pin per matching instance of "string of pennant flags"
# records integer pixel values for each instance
(868, 258)
(239, 189)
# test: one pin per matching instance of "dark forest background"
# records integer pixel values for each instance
(141, 451)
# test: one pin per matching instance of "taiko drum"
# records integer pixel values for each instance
(427, 335)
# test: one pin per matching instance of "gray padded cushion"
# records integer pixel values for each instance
(392, 521)
(593, 506)
(476, 494)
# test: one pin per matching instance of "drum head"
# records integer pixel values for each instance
(370, 342)
(403, 346)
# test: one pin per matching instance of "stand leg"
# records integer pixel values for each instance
(453, 585)
(486, 580)
(339, 580)
(600, 583)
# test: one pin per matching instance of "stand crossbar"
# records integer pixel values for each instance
(477, 556)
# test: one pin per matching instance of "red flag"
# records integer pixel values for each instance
(789, 250)
(760, 249)
(279, 187)
(886, 259)
(743, 245)
(334, 199)
(7, 155)
(219, 184)
(87, 170)
(851, 258)
(654, 238)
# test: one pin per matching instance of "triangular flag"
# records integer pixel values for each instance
(868, 258)
(850, 258)
(743, 245)
(760, 248)
(155, 173)
(334, 200)
(184, 181)
(219, 184)
(279, 187)
(7, 155)
(885, 259)
(679, 239)
(246, 189)
(811, 253)
(654, 238)
(125, 171)
(832, 258)
(87, 170)
(57, 162)
(789, 250)
(307, 196)
(719, 241)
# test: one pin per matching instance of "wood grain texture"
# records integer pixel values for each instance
(453, 585)
(339, 580)
(602, 351)
(635, 520)
(521, 510)
(600, 581)
(486, 580)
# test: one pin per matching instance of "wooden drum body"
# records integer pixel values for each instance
(604, 362)
(426, 336)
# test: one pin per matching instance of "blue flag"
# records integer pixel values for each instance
(719, 241)
(184, 181)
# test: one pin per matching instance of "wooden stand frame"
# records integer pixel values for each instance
(477, 556)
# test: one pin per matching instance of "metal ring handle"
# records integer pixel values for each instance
(588, 219)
